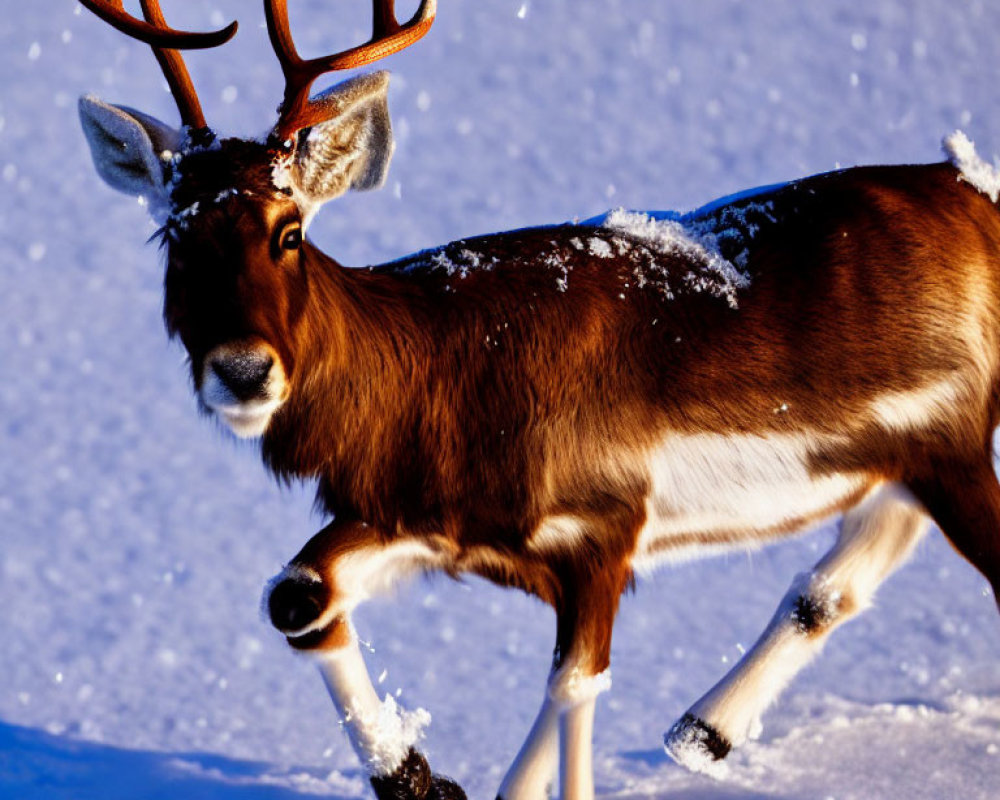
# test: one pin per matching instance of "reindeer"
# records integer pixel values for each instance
(560, 408)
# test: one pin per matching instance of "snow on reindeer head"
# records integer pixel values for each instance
(233, 210)
(177, 171)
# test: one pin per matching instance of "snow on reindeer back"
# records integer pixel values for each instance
(703, 251)
(972, 169)
(713, 241)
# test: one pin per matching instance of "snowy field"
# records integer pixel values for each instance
(136, 538)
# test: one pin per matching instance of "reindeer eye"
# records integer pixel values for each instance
(291, 237)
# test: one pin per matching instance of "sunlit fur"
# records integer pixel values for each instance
(554, 435)
(481, 408)
(546, 416)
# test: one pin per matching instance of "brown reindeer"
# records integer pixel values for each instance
(559, 408)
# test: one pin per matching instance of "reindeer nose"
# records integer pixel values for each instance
(294, 604)
(244, 374)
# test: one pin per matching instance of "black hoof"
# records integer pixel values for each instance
(294, 604)
(411, 780)
(691, 732)
(445, 789)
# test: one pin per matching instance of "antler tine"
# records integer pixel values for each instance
(113, 12)
(166, 42)
(388, 37)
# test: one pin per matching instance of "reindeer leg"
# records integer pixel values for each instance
(534, 770)
(875, 537)
(585, 617)
(310, 602)
(562, 733)
(579, 677)
(577, 690)
(560, 740)
(381, 734)
(964, 500)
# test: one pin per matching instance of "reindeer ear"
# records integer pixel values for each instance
(349, 150)
(127, 147)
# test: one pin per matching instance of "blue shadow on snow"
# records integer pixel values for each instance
(35, 765)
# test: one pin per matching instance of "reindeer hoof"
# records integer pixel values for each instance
(445, 789)
(412, 780)
(695, 744)
(295, 604)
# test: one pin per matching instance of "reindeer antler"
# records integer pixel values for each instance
(166, 43)
(388, 37)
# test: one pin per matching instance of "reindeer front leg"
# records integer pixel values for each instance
(560, 739)
(534, 770)
(310, 602)
(562, 735)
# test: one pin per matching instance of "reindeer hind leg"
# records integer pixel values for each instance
(963, 497)
(875, 537)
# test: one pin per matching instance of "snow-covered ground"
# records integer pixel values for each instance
(135, 539)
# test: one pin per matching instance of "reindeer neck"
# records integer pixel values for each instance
(358, 372)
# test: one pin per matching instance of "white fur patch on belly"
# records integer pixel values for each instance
(712, 492)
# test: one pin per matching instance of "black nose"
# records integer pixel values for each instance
(294, 604)
(244, 374)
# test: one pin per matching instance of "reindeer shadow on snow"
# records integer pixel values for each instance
(558, 408)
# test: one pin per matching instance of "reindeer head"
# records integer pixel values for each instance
(234, 211)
